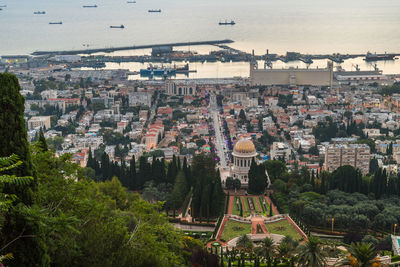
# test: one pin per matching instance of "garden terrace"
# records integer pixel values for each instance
(283, 227)
(233, 229)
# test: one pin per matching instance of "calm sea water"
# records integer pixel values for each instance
(307, 26)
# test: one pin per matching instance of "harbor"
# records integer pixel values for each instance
(224, 53)
(134, 47)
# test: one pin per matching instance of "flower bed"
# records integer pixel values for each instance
(251, 203)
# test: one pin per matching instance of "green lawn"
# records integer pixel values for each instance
(244, 199)
(283, 227)
(235, 210)
(256, 206)
(233, 229)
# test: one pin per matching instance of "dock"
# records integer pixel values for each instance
(113, 49)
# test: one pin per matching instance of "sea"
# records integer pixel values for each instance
(305, 26)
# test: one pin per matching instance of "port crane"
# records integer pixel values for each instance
(356, 67)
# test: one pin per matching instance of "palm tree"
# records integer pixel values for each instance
(287, 246)
(244, 243)
(283, 250)
(267, 249)
(311, 254)
(360, 255)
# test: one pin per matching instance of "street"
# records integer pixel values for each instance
(220, 145)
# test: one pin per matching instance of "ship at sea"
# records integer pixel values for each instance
(92, 6)
(53, 23)
(117, 27)
(376, 57)
(39, 12)
(155, 11)
(131, 2)
(227, 22)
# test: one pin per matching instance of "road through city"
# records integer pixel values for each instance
(220, 145)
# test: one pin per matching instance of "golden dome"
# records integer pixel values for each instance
(244, 146)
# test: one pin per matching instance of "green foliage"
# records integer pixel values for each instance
(361, 254)
(100, 224)
(311, 253)
(285, 100)
(244, 243)
(275, 168)
(42, 144)
(347, 179)
(390, 90)
(19, 233)
(208, 196)
(7, 164)
(257, 178)
(179, 191)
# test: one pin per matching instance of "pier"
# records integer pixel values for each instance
(113, 49)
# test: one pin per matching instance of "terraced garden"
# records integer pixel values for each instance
(250, 205)
(233, 229)
(283, 227)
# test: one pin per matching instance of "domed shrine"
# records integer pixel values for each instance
(243, 153)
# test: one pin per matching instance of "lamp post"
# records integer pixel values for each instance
(333, 221)
(394, 230)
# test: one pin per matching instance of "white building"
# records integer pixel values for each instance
(140, 99)
(180, 88)
(243, 154)
(39, 122)
(280, 150)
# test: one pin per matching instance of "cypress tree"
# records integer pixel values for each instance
(105, 167)
(132, 183)
(42, 142)
(323, 183)
(186, 171)
(170, 175)
(91, 161)
(252, 176)
(162, 170)
(313, 180)
(144, 171)
(14, 140)
(179, 164)
(218, 196)
(270, 209)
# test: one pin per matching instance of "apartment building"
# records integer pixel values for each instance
(356, 155)
(280, 150)
(39, 122)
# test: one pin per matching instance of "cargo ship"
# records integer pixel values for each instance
(39, 12)
(117, 27)
(131, 2)
(154, 10)
(376, 57)
(157, 71)
(53, 23)
(227, 23)
(92, 6)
